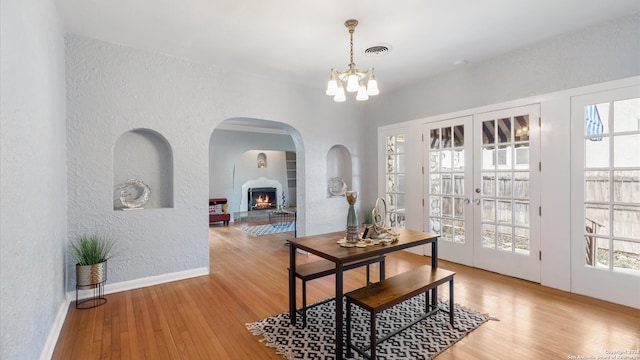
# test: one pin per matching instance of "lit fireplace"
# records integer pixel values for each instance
(262, 198)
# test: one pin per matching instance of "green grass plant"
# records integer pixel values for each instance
(92, 249)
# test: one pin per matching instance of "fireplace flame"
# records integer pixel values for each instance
(263, 202)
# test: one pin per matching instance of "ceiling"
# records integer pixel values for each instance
(299, 41)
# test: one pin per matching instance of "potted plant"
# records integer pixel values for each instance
(91, 253)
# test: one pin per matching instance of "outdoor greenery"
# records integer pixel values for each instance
(92, 249)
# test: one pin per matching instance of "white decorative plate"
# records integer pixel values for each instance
(337, 186)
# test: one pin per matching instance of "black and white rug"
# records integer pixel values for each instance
(259, 230)
(423, 340)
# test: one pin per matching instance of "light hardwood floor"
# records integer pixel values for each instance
(205, 317)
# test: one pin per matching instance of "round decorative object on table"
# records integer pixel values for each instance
(132, 194)
(337, 187)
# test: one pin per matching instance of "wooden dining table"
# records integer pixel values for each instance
(326, 246)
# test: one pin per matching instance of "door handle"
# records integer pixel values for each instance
(467, 201)
(477, 201)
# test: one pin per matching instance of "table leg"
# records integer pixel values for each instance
(339, 312)
(434, 264)
(292, 283)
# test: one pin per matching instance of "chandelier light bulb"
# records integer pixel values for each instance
(352, 83)
(372, 86)
(351, 79)
(332, 86)
(362, 92)
(340, 96)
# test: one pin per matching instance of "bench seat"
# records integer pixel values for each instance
(392, 291)
(321, 268)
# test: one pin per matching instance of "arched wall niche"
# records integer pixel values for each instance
(339, 165)
(145, 155)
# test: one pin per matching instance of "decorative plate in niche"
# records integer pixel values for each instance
(337, 186)
(132, 194)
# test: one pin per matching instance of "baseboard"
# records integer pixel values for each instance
(54, 333)
(141, 283)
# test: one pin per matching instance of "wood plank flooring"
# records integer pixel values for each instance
(205, 317)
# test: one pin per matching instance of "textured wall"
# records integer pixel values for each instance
(604, 52)
(33, 177)
(113, 89)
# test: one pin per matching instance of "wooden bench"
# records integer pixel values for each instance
(392, 291)
(321, 268)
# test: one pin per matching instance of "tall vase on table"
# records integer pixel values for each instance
(352, 217)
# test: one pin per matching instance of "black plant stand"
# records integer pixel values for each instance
(96, 300)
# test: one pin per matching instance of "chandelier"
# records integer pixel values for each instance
(352, 79)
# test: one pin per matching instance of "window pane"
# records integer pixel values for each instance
(522, 156)
(435, 206)
(627, 186)
(401, 183)
(434, 161)
(626, 115)
(391, 164)
(400, 144)
(458, 159)
(521, 125)
(489, 236)
(447, 228)
(400, 163)
(458, 135)
(504, 212)
(435, 184)
(602, 252)
(458, 187)
(597, 219)
(488, 158)
(458, 231)
(447, 184)
(626, 221)
(504, 130)
(521, 213)
(596, 186)
(445, 161)
(521, 185)
(596, 153)
(504, 184)
(446, 137)
(488, 210)
(503, 157)
(447, 206)
(504, 238)
(626, 255)
(435, 138)
(488, 132)
(625, 150)
(436, 226)
(401, 204)
(521, 236)
(391, 145)
(458, 208)
(488, 184)
(596, 120)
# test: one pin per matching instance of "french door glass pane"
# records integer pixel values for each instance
(446, 182)
(626, 115)
(612, 185)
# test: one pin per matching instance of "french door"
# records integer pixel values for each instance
(481, 187)
(605, 195)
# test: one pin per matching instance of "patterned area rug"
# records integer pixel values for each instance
(259, 230)
(423, 340)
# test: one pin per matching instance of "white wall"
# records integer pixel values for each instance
(113, 89)
(33, 179)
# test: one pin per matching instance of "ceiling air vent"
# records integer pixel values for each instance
(378, 50)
